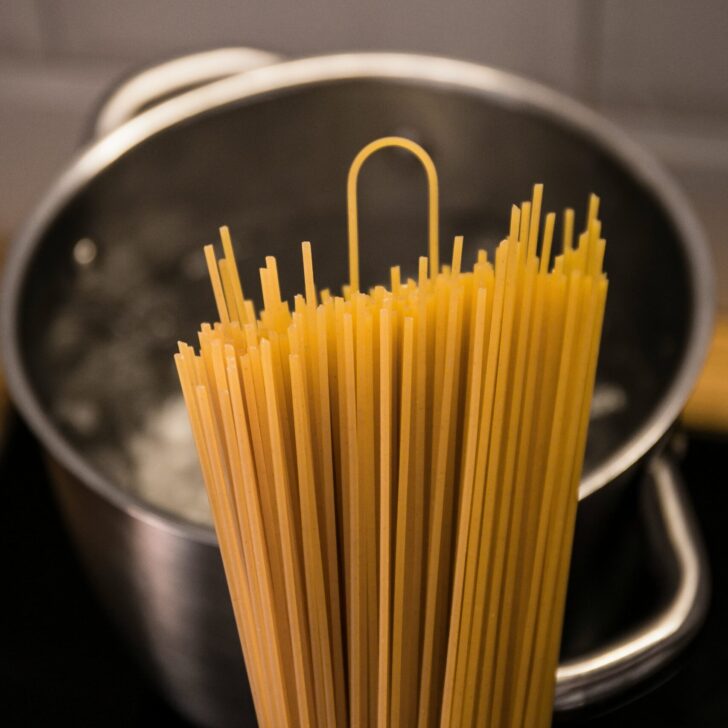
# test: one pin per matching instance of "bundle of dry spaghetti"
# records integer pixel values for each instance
(393, 475)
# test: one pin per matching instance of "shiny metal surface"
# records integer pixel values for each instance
(168, 597)
(624, 663)
(155, 84)
(266, 152)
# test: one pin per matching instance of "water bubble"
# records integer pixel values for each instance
(85, 251)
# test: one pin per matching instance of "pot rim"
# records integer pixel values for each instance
(433, 71)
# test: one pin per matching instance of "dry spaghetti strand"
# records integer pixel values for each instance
(393, 473)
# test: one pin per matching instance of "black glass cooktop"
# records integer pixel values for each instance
(62, 662)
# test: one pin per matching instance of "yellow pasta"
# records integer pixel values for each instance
(393, 473)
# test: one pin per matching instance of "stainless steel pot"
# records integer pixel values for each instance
(266, 151)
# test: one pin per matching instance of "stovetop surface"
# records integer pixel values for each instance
(62, 662)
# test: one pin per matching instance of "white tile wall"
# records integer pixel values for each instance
(20, 26)
(43, 112)
(695, 150)
(707, 189)
(536, 38)
(665, 54)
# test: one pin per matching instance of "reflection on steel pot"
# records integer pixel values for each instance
(107, 275)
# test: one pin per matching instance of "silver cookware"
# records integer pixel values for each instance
(105, 277)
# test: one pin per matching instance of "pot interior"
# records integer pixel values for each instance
(119, 275)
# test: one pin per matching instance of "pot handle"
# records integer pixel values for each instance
(629, 660)
(158, 83)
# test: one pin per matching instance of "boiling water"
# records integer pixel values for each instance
(164, 466)
(163, 469)
(111, 384)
